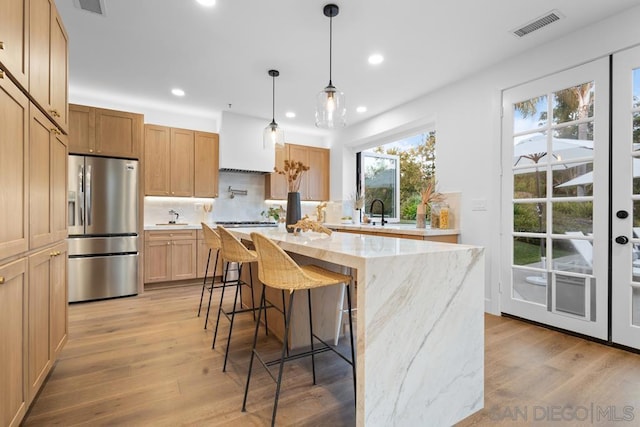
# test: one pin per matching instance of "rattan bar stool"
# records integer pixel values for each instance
(277, 270)
(212, 240)
(233, 250)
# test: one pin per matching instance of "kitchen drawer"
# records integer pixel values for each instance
(170, 235)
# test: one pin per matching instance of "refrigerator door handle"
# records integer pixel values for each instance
(80, 195)
(89, 194)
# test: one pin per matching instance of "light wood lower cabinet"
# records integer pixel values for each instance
(47, 319)
(13, 347)
(446, 238)
(170, 255)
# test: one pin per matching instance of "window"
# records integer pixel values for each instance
(395, 173)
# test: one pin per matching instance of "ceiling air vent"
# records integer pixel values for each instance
(94, 6)
(538, 23)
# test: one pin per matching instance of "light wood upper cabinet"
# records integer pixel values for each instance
(182, 152)
(99, 131)
(180, 162)
(276, 184)
(82, 129)
(13, 351)
(157, 157)
(314, 185)
(48, 63)
(206, 166)
(47, 181)
(14, 144)
(14, 39)
(118, 133)
(317, 177)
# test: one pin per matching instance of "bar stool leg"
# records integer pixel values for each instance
(233, 316)
(353, 353)
(282, 356)
(313, 359)
(253, 303)
(204, 284)
(253, 348)
(224, 285)
(284, 314)
(213, 280)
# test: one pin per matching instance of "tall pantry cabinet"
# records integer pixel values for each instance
(33, 206)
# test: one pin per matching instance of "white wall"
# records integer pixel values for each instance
(467, 122)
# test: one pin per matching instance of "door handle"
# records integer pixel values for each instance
(622, 240)
(622, 214)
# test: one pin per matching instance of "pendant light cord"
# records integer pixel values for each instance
(273, 100)
(330, 46)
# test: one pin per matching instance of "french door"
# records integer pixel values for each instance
(625, 221)
(555, 161)
(568, 218)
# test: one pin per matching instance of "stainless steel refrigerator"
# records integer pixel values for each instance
(103, 228)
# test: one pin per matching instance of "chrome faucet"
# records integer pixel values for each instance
(382, 221)
(177, 215)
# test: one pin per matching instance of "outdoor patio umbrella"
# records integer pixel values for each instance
(587, 178)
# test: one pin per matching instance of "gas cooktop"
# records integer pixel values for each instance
(237, 224)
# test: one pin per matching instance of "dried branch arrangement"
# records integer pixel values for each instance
(306, 224)
(293, 170)
(430, 194)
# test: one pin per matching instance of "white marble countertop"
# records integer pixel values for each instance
(420, 328)
(394, 229)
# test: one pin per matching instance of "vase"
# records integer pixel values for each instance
(293, 209)
(356, 216)
(421, 216)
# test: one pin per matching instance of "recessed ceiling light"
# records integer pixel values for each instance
(290, 114)
(376, 59)
(177, 92)
(207, 3)
(361, 109)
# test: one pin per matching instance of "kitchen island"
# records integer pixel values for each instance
(420, 330)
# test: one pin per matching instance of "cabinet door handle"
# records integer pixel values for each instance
(1, 45)
(55, 131)
(1, 280)
(55, 113)
(1, 74)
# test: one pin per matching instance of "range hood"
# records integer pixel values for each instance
(241, 147)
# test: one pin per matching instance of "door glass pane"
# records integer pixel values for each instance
(530, 252)
(529, 286)
(573, 180)
(580, 134)
(530, 217)
(530, 114)
(573, 103)
(636, 175)
(573, 255)
(529, 183)
(530, 149)
(572, 217)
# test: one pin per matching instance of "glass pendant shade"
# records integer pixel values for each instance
(273, 136)
(330, 108)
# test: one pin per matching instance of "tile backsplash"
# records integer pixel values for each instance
(225, 208)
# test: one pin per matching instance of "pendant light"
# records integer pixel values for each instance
(273, 135)
(330, 107)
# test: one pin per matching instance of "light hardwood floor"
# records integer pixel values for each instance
(147, 361)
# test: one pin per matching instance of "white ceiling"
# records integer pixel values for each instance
(219, 56)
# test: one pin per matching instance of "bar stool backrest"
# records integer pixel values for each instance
(211, 238)
(276, 268)
(232, 248)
